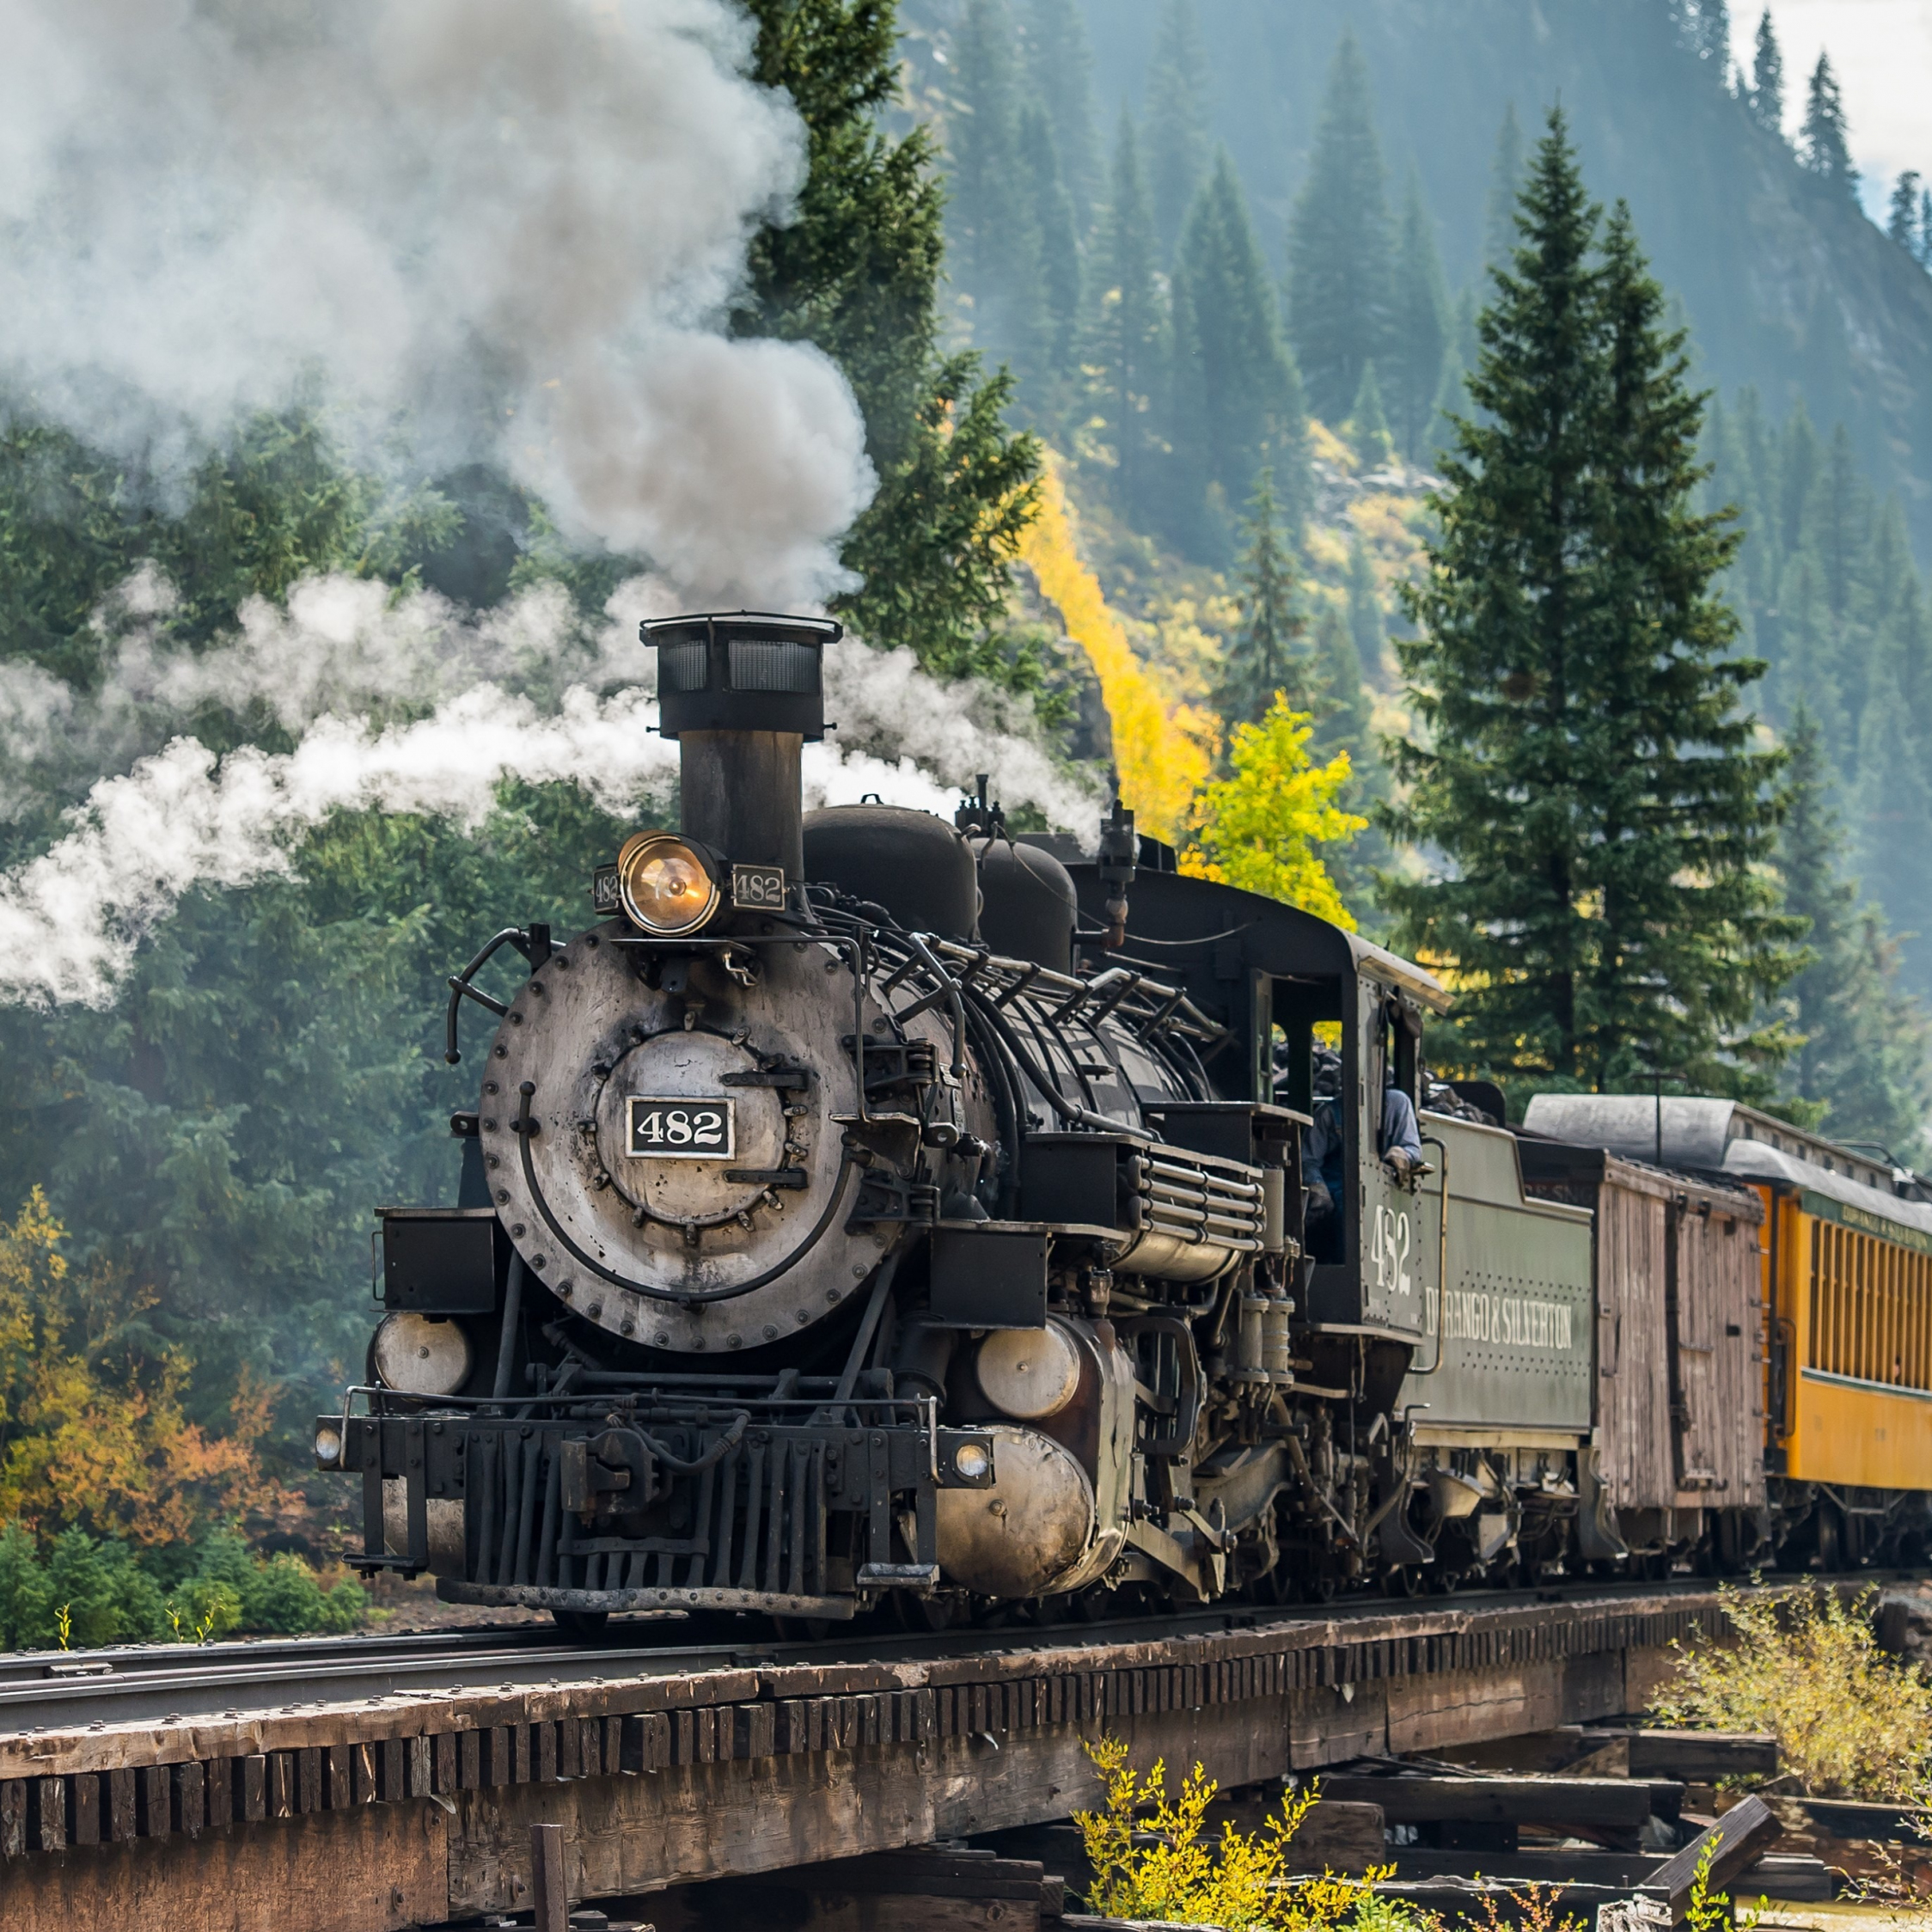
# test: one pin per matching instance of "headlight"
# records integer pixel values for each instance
(328, 1445)
(667, 884)
(421, 1355)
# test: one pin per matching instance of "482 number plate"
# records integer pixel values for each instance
(679, 1128)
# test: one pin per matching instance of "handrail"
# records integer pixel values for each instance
(1441, 1255)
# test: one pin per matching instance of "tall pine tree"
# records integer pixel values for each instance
(1268, 652)
(1339, 267)
(1862, 1063)
(1506, 184)
(1366, 632)
(1237, 405)
(1050, 347)
(1410, 366)
(1178, 146)
(856, 271)
(1130, 340)
(995, 253)
(1901, 215)
(1588, 770)
(1824, 142)
(1766, 95)
(1060, 61)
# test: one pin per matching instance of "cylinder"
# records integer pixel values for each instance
(739, 793)
(1247, 1362)
(1274, 1209)
(1274, 1339)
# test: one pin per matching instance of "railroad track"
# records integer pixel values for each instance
(163, 1683)
(364, 1784)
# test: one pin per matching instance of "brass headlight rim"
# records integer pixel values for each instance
(630, 854)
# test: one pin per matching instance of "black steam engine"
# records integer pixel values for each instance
(870, 1213)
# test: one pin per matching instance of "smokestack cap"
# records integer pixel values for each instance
(741, 670)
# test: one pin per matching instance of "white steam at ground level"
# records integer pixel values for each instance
(522, 692)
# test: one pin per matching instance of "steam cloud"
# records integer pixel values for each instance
(522, 214)
(521, 690)
(510, 228)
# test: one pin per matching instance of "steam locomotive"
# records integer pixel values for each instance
(874, 1215)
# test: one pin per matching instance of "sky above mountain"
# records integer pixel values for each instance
(1881, 50)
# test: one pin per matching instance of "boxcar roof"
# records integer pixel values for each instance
(1726, 1137)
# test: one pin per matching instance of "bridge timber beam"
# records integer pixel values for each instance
(407, 1810)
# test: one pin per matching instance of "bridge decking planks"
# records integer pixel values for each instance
(365, 1810)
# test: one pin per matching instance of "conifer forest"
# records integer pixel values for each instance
(1464, 467)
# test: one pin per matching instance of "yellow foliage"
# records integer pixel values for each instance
(1164, 754)
(1258, 827)
(1324, 446)
(1152, 1860)
(107, 1447)
(1851, 1720)
(1388, 525)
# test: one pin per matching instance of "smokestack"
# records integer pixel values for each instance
(740, 692)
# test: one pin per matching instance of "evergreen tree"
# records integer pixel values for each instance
(994, 251)
(1342, 708)
(1863, 1055)
(1901, 221)
(1704, 28)
(1268, 654)
(1800, 460)
(1178, 147)
(1237, 407)
(856, 272)
(1823, 142)
(1837, 517)
(1060, 59)
(1459, 357)
(1052, 349)
(1925, 249)
(1366, 628)
(1766, 97)
(1343, 720)
(1339, 266)
(1588, 771)
(1806, 676)
(1367, 426)
(1892, 789)
(1506, 184)
(1412, 363)
(1131, 332)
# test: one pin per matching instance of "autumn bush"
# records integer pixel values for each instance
(117, 1512)
(1153, 1858)
(1851, 1719)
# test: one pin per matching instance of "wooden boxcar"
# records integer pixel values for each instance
(1681, 1344)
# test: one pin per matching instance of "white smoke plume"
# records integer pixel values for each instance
(69, 919)
(510, 225)
(507, 230)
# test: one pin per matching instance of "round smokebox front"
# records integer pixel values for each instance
(686, 1185)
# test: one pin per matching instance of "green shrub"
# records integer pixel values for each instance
(81, 1593)
(1851, 1720)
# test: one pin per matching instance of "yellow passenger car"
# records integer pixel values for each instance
(1846, 1308)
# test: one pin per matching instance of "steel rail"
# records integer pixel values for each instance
(75, 1689)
